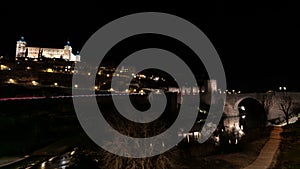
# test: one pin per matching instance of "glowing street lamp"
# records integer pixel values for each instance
(243, 108)
(282, 88)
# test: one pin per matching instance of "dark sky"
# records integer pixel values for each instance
(258, 43)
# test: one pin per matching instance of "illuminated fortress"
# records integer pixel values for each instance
(37, 52)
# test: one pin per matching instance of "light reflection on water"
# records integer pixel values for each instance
(63, 161)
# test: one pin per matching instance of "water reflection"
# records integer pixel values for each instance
(62, 161)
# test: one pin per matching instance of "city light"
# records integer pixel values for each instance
(232, 92)
(49, 70)
(142, 76)
(43, 165)
(51, 159)
(4, 67)
(11, 81)
(72, 153)
(156, 78)
(142, 92)
(34, 83)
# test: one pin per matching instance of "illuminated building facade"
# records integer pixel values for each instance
(37, 52)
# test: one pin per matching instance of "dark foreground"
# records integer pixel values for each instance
(48, 131)
(288, 157)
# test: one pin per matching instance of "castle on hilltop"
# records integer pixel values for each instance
(23, 51)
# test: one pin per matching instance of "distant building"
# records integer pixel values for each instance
(37, 52)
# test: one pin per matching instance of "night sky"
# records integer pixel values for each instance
(258, 43)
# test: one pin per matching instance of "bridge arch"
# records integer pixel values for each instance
(254, 115)
(236, 104)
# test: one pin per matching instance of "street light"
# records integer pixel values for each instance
(282, 88)
(243, 108)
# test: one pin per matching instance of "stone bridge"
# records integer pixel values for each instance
(270, 102)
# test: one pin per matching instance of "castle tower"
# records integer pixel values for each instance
(21, 48)
(67, 51)
(77, 57)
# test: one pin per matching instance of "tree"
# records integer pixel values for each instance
(267, 103)
(162, 161)
(285, 105)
